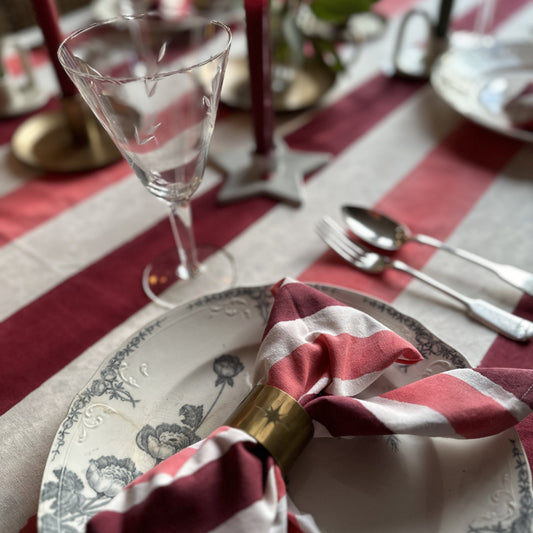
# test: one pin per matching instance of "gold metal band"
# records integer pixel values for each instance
(277, 421)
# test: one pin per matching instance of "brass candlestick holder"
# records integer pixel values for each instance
(68, 139)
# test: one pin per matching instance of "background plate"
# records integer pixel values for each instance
(477, 76)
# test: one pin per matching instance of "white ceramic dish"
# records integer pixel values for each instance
(478, 76)
(179, 377)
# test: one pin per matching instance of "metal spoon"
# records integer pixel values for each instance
(387, 234)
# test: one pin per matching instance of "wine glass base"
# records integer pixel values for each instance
(164, 285)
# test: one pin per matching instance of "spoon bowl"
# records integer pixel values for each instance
(376, 228)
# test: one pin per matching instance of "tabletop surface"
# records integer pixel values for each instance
(73, 245)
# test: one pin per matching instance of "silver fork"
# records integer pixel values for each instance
(507, 324)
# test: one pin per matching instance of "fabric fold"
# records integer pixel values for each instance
(327, 356)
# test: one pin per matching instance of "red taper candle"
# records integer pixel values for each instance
(48, 20)
(259, 60)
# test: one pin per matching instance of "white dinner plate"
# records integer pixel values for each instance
(478, 76)
(180, 377)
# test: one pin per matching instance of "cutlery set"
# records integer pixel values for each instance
(386, 234)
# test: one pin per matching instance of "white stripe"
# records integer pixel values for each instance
(342, 387)
(409, 418)
(351, 387)
(400, 418)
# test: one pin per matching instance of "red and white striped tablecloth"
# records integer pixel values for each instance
(73, 247)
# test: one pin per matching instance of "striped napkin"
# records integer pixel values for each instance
(325, 355)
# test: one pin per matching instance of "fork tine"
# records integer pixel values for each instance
(342, 240)
(352, 246)
(332, 234)
(325, 233)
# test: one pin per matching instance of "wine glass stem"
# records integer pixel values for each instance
(181, 223)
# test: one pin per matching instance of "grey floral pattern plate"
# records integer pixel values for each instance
(181, 376)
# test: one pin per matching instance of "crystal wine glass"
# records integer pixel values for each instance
(154, 83)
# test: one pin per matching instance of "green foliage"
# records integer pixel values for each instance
(290, 45)
(339, 11)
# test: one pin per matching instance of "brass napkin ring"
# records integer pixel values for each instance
(277, 421)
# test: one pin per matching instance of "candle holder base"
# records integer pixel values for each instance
(63, 141)
(294, 88)
(278, 174)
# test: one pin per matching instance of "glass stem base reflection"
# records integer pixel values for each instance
(164, 285)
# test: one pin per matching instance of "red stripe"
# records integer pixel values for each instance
(344, 416)
(336, 127)
(31, 525)
(14, 65)
(470, 413)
